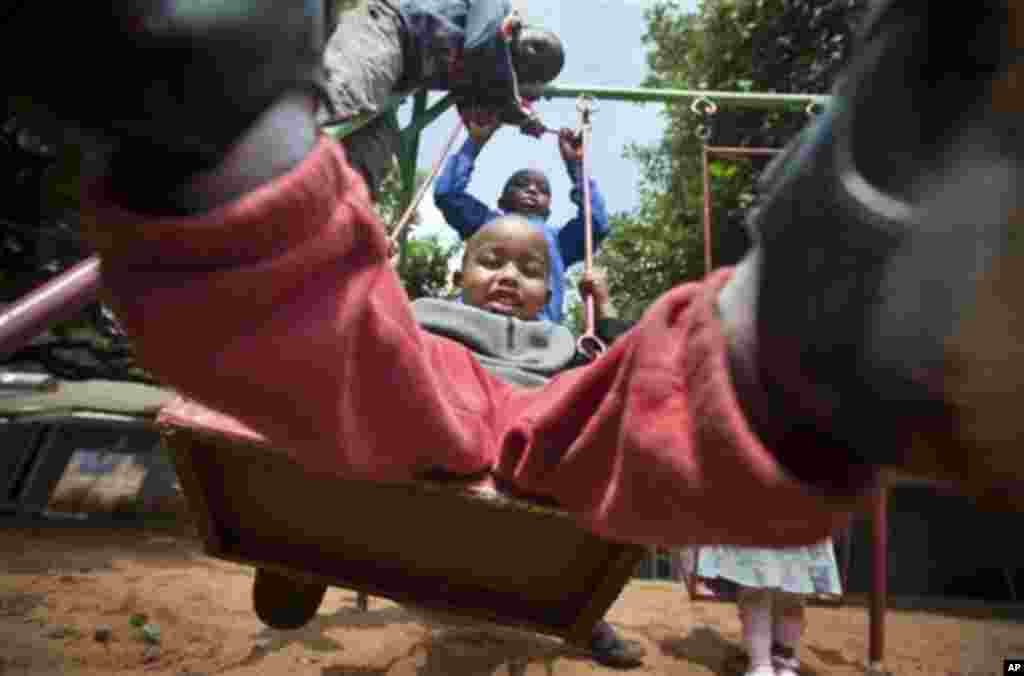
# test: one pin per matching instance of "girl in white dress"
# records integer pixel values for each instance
(773, 585)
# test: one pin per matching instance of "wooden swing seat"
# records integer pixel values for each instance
(456, 547)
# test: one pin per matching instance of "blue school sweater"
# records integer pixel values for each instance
(466, 214)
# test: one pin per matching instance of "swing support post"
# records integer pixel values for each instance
(410, 149)
(879, 578)
(422, 117)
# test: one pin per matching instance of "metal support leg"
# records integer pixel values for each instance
(49, 465)
(880, 579)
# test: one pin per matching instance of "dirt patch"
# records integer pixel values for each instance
(57, 588)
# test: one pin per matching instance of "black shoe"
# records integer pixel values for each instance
(285, 602)
(611, 650)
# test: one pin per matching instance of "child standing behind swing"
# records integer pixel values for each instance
(527, 193)
(773, 585)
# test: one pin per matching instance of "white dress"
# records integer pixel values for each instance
(799, 570)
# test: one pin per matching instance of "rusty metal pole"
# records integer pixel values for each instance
(880, 579)
(735, 152)
(57, 300)
(707, 211)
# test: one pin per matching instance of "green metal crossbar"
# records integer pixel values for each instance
(642, 95)
(423, 116)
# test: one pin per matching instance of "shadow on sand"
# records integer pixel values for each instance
(443, 649)
(708, 648)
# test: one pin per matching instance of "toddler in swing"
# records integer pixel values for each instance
(750, 387)
(504, 281)
(479, 50)
(527, 192)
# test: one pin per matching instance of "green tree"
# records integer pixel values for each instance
(423, 268)
(794, 46)
(422, 261)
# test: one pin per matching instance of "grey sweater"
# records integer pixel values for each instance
(520, 352)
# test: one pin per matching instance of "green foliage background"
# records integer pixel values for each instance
(784, 46)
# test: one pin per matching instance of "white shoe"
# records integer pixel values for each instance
(786, 666)
(761, 670)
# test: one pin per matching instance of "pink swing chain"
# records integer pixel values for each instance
(411, 209)
(588, 343)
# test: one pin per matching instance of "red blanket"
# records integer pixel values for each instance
(281, 311)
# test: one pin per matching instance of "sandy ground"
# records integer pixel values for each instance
(57, 587)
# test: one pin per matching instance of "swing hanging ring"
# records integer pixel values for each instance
(703, 106)
(585, 104)
(814, 108)
(703, 132)
(590, 345)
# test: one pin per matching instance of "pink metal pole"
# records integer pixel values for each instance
(55, 301)
(733, 153)
(707, 210)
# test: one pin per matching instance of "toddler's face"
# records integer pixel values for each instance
(529, 194)
(505, 269)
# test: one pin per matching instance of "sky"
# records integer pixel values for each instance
(602, 40)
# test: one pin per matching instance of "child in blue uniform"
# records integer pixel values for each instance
(504, 278)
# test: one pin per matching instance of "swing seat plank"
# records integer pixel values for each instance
(456, 547)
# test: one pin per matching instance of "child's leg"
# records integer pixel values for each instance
(755, 608)
(363, 60)
(372, 151)
(788, 621)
